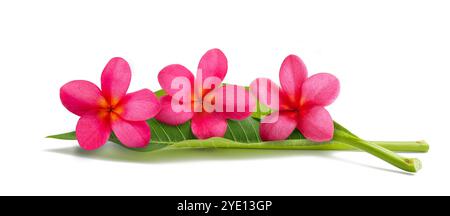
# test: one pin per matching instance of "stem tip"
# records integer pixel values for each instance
(415, 163)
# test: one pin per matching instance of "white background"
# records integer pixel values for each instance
(392, 58)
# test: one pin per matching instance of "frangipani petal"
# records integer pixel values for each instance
(168, 115)
(316, 124)
(292, 75)
(281, 126)
(139, 106)
(213, 64)
(116, 79)
(234, 102)
(206, 125)
(320, 90)
(268, 93)
(131, 134)
(174, 78)
(81, 97)
(93, 130)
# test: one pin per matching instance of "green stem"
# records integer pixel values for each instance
(399, 146)
(341, 141)
(407, 164)
(404, 146)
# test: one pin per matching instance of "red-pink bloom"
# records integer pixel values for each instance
(301, 102)
(202, 99)
(110, 109)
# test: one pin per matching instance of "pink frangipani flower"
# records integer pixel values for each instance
(202, 99)
(301, 102)
(110, 109)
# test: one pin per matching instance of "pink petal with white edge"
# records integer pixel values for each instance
(283, 125)
(80, 97)
(316, 124)
(116, 78)
(292, 75)
(174, 78)
(92, 131)
(268, 93)
(206, 125)
(139, 106)
(213, 64)
(132, 134)
(320, 90)
(234, 102)
(168, 115)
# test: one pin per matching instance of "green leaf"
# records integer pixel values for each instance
(243, 134)
(160, 93)
(64, 136)
(239, 134)
(261, 111)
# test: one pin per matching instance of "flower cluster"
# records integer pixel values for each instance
(202, 99)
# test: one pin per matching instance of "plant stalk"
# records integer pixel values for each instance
(341, 141)
(398, 146)
(406, 164)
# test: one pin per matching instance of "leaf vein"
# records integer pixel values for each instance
(243, 130)
(231, 132)
(167, 135)
(254, 129)
(179, 130)
(156, 134)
